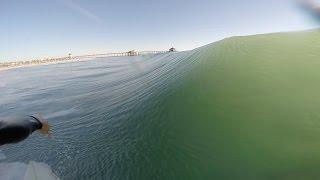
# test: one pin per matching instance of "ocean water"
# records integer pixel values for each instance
(241, 108)
(101, 112)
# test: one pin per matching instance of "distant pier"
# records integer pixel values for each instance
(72, 58)
(129, 53)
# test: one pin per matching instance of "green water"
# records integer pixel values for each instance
(251, 109)
(242, 108)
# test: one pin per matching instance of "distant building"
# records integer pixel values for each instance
(70, 55)
(172, 49)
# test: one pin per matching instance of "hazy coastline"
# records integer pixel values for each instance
(38, 62)
(15, 65)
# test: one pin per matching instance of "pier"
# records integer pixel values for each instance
(71, 58)
(129, 53)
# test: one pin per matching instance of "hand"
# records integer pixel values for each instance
(45, 130)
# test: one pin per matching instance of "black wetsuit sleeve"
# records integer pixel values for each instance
(17, 129)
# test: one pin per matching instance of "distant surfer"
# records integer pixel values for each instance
(14, 130)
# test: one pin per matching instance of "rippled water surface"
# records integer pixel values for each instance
(242, 108)
(102, 112)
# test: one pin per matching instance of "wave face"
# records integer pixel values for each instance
(241, 108)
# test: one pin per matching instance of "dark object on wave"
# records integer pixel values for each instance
(132, 53)
(172, 49)
(15, 130)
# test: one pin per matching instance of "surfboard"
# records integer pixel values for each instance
(39, 171)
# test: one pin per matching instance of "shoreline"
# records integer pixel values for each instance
(40, 62)
(44, 63)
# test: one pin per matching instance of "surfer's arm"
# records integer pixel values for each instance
(17, 129)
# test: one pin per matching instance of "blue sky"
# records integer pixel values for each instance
(45, 28)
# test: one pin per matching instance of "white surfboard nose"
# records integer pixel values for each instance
(31, 171)
(36, 170)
